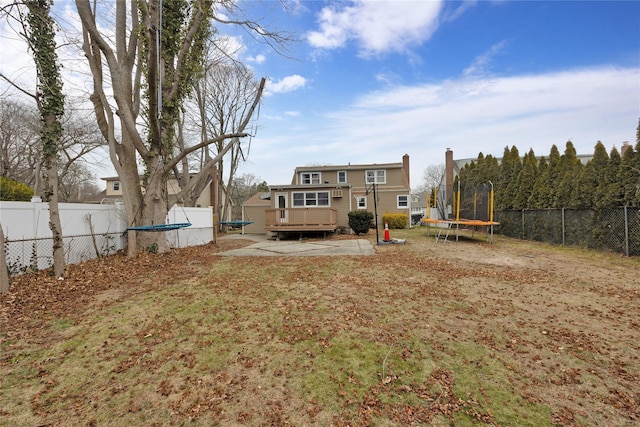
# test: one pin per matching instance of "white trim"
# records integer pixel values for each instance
(311, 178)
(284, 216)
(305, 199)
(363, 198)
(376, 179)
(406, 206)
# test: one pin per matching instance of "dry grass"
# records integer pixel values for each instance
(466, 333)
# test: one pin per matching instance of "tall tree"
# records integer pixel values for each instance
(592, 179)
(629, 177)
(432, 177)
(159, 46)
(227, 91)
(50, 99)
(525, 181)
(543, 195)
(542, 171)
(20, 148)
(569, 168)
(506, 186)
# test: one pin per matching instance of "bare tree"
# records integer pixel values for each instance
(226, 93)
(20, 150)
(159, 46)
(78, 184)
(432, 177)
(243, 187)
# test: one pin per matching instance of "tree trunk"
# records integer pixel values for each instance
(4, 272)
(54, 221)
(155, 209)
(50, 100)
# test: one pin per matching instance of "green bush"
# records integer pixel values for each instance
(15, 191)
(396, 221)
(360, 221)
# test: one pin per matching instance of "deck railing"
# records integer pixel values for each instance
(301, 219)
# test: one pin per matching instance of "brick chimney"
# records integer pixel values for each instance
(405, 167)
(448, 175)
(625, 147)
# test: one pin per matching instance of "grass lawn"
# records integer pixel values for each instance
(460, 333)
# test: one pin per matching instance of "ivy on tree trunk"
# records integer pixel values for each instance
(50, 100)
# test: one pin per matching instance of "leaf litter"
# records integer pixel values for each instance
(419, 334)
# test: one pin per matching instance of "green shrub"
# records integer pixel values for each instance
(395, 220)
(360, 221)
(15, 191)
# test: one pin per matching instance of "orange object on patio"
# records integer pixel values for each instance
(386, 232)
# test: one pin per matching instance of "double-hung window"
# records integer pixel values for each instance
(310, 199)
(403, 201)
(342, 177)
(376, 176)
(361, 202)
(310, 178)
(116, 185)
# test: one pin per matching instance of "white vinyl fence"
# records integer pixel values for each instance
(89, 231)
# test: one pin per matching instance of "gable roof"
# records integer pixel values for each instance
(258, 199)
(397, 165)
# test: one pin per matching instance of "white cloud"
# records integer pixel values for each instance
(470, 115)
(258, 59)
(287, 84)
(377, 26)
(481, 62)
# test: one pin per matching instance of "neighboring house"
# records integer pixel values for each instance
(418, 207)
(113, 193)
(319, 198)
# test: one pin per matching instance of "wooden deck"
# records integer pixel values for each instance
(301, 219)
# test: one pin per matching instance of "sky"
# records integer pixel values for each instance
(370, 81)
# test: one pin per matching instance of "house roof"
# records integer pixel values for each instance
(309, 186)
(349, 167)
(258, 199)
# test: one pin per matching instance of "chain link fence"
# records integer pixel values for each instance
(26, 255)
(616, 229)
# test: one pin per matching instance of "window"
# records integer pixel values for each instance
(311, 198)
(403, 201)
(376, 176)
(342, 177)
(116, 185)
(361, 202)
(310, 177)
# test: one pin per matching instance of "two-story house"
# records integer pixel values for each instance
(113, 192)
(319, 198)
(208, 197)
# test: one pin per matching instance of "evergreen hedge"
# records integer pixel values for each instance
(396, 220)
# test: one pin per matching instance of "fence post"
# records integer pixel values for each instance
(522, 228)
(626, 231)
(36, 205)
(563, 230)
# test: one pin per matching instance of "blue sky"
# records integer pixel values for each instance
(373, 80)
(369, 81)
